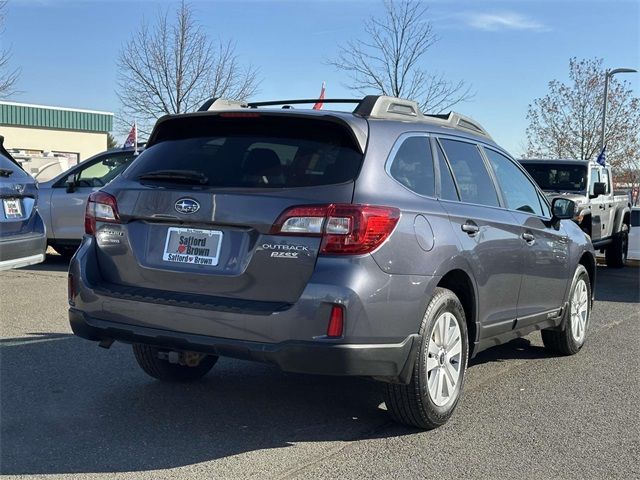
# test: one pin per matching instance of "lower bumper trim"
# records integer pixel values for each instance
(21, 262)
(384, 361)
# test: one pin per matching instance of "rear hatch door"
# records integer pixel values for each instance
(197, 207)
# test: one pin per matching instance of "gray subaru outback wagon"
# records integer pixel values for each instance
(382, 243)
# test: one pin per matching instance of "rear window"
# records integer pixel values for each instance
(261, 152)
(635, 218)
(7, 165)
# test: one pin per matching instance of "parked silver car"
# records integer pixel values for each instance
(63, 199)
(22, 231)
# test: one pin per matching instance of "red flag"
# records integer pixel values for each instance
(132, 138)
(318, 105)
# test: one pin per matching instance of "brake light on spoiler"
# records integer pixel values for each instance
(345, 229)
(100, 207)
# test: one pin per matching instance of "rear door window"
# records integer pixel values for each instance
(261, 152)
(473, 180)
(412, 165)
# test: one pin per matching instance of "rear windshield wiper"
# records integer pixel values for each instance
(5, 172)
(176, 176)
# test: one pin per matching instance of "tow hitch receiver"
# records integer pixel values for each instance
(189, 359)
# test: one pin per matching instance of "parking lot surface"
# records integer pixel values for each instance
(72, 410)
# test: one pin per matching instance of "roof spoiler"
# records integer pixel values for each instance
(371, 106)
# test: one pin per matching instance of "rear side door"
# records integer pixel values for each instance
(545, 254)
(487, 233)
(69, 195)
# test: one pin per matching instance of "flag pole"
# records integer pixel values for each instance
(135, 138)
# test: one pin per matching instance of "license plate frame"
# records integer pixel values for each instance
(192, 246)
(12, 208)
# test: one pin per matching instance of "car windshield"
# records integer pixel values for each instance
(557, 177)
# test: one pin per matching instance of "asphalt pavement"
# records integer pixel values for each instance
(69, 409)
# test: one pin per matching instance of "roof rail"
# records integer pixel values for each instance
(371, 106)
(460, 122)
(382, 106)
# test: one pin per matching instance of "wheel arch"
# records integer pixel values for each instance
(588, 261)
(461, 284)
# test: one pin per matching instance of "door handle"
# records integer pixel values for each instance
(470, 228)
(529, 238)
(601, 207)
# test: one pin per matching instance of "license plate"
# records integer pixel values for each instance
(193, 246)
(12, 208)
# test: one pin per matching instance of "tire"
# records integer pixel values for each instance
(571, 338)
(152, 365)
(616, 253)
(417, 404)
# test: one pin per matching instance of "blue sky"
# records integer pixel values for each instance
(507, 50)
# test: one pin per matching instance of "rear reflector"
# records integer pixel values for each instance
(100, 207)
(345, 229)
(336, 322)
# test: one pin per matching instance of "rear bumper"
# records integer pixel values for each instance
(22, 250)
(390, 361)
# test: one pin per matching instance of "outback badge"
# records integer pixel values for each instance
(186, 206)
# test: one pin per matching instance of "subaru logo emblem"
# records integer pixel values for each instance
(187, 205)
(18, 187)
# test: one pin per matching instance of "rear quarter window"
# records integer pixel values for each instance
(412, 165)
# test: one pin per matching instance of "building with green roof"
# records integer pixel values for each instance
(43, 130)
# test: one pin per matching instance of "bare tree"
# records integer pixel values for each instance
(566, 123)
(173, 67)
(390, 60)
(8, 76)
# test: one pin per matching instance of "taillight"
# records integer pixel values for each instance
(345, 229)
(101, 207)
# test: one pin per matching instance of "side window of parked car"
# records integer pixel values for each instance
(519, 193)
(593, 178)
(447, 185)
(473, 180)
(103, 171)
(412, 165)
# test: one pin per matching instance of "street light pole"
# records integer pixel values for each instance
(609, 74)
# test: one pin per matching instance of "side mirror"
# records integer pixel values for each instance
(71, 183)
(563, 209)
(599, 188)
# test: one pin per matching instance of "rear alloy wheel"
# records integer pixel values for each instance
(155, 363)
(570, 340)
(438, 375)
(616, 252)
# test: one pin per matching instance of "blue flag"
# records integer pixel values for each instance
(602, 159)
